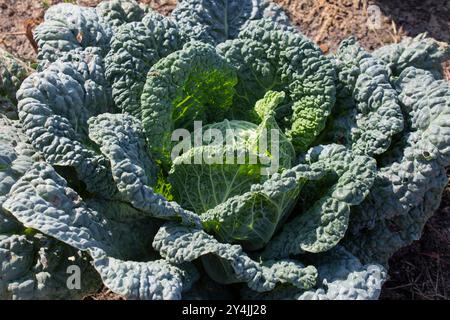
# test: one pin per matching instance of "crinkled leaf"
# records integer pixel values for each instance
(121, 140)
(115, 13)
(215, 21)
(54, 106)
(367, 114)
(408, 187)
(12, 73)
(267, 57)
(135, 48)
(37, 267)
(41, 200)
(16, 158)
(341, 277)
(181, 244)
(194, 83)
(32, 265)
(67, 27)
(324, 224)
(420, 52)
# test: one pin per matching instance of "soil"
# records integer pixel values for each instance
(373, 23)
(419, 271)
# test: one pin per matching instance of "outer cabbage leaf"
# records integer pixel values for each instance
(252, 217)
(408, 187)
(321, 226)
(36, 267)
(215, 21)
(227, 263)
(54, 106)
(67, 27)
(367, 114)
(420, 52)
(121, 140)
(41, 200)
(16, 157)
(194, 83)
(268, 56)
(135, 47)
(114, 13)
(12, 73)
(32, 265)
(341, 277)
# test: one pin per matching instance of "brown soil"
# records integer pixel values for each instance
(419, 271)
(328, 22)
(104, 294)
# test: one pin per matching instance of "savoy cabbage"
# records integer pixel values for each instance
(91, 175)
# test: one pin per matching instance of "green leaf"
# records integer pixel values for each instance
(420, 52)
(192, 84)
(135, 48)
(54, 106)
(324, 223)
(269, 56)
(215, 21)
(122, 142)
(367, 115)
(411, 178)
(42, 200)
